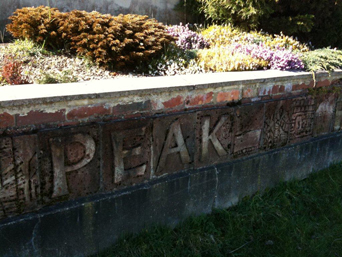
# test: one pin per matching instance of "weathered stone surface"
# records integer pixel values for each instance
(277, 124)
(126, 153)
(202, 191)
(302, 119)
(8, 182)
(214, 136)
(19, 178)
(247, 129)
(6, 120)
(69, 163)
(173, 143)
(325, 106)
(338, 116)
(236, 180)
(27, 172)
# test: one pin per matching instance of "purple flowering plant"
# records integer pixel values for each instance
(186, 38)
(278, 59)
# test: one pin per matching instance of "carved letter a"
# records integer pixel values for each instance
(176, 133)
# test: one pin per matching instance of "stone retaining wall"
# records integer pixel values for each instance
(83, 163)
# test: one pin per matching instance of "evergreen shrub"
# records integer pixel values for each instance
(323, 59)
(40, 24)
(122, 41)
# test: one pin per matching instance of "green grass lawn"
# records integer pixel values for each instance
(298, 218)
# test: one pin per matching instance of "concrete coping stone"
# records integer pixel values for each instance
(35, 93)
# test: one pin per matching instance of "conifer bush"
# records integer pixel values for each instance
(38, 24)
(140, 39)
(122, 41)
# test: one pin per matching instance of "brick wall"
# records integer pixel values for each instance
(65, 143)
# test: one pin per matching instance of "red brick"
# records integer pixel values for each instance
(275, 89)
(40, 117)
(324, 83)
(88, 112)
(6, 120)
(281, 89)
(248, 93)
(300, 87)
(199, 99)
(295, 87)
(174, 102)
(228, 96)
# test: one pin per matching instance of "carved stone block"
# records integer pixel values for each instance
(69, 162)
(8, 182)
(324, 114)
(277, 124)
(126, 153)
(302, 119)
(173, 143)
(214, 136)
(338, 117)
(248, 126)
(26, 163)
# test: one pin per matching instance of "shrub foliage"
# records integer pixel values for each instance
(245, 14)
(318, 21)
(39, 24)
(323, 59)
(227, 35)
(113, 41)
